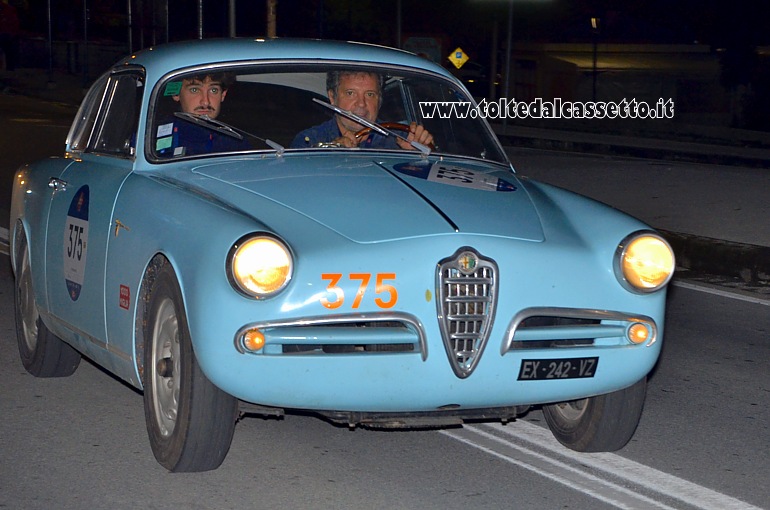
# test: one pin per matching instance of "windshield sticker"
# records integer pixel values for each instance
(76, 243)
(165, 130)
(455, 176)
(173, 88)
(163, 143)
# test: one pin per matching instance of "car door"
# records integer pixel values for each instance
(79, 222)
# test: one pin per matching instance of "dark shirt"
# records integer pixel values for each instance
(188, 139)
(329, 130)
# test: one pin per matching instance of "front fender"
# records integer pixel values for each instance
(193, 230)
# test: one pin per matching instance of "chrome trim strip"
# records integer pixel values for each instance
(573, 313)
(327, 320)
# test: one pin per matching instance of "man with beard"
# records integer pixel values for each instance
(200, 95)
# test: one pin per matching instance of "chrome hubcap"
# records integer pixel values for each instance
(165, 367)
(573, 410)
(28, 310)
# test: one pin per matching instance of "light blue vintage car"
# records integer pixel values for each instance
(329, 232)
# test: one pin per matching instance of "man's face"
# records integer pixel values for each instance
(358, 93)
(203, 97)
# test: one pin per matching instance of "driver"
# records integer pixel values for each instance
(359, 93)
(200, 95)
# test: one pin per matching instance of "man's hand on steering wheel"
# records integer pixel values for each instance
(417, 133)
(414, 132)
(348, 138)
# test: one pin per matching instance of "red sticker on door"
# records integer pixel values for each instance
(125, 297)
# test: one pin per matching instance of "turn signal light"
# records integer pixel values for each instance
(253, 340)
(638, 333)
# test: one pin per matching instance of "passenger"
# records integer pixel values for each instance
(200, 95)
(359, 93)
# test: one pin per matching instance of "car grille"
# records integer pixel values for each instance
(467, 296)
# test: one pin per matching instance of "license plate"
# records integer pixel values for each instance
(563, 368)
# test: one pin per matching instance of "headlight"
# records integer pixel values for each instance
(644, 262)
(259, 265)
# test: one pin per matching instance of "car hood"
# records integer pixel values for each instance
(371, 200)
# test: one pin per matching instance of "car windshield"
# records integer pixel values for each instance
(289, 107)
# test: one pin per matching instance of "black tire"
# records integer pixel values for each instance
(604, 423)
(190, 422)
(42, 353)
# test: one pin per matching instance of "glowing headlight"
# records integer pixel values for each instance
(644, 262)
(259, 265)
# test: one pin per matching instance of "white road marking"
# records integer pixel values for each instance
(718, 291)
(41, 122)
(4, 246)
(518, 443)
(560, 472)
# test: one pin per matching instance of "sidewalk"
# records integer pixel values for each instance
(58, 86)
(724, 151)
(699, 255)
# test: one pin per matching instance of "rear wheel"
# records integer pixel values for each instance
(604, 423)
(42, 353)
(190, 421)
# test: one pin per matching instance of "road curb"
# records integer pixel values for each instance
(648, 149)
(747, 262)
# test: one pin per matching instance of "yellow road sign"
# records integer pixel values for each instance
(458, 57)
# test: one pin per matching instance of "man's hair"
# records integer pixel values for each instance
(224, 79)
(333, 79)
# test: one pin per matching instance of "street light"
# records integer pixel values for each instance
(595, 28)
(508, 71)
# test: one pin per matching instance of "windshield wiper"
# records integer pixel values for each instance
(226, 129)
(373, 125)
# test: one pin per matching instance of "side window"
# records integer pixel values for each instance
(116, 131)
(394, 107)
(81, 130)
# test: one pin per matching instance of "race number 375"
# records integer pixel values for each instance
(76, 243)
(385, 293)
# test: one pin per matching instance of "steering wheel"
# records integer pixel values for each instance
(395, 126)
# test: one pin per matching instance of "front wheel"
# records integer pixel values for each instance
(190, 422)
(42, 353)
(604, 423)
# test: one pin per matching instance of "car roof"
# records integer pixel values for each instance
(159, 60)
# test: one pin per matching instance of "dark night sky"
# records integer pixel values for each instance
(463, 22)
(678, 21)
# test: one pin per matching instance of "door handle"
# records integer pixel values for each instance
(57, 184)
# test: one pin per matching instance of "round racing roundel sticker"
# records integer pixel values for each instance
(76, 242)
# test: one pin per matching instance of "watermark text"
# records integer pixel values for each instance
(555, 109)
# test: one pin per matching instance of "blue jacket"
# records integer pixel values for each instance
(188, 139)
(329, 131)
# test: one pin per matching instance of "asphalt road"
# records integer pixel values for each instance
(80, 442)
